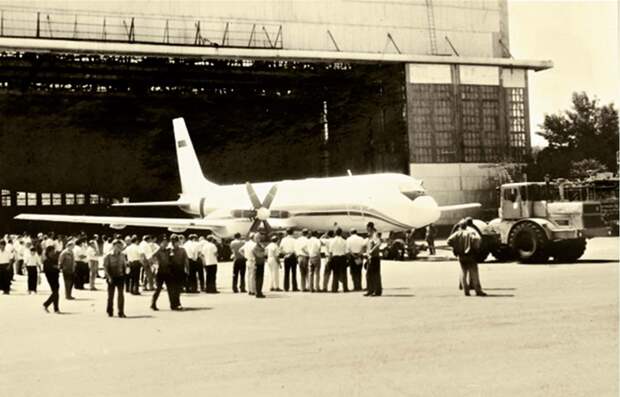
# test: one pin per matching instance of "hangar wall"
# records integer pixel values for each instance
(474, 27)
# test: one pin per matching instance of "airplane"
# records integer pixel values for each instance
(394, 202)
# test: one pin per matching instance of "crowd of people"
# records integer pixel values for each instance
(131, 264)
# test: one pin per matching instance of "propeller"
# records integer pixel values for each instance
(261, 212)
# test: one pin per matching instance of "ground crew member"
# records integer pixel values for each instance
(114, 266)
(301, 251)
(51, 270)
(314, 260)
(238, 282)
(5, 271)
(258, 252)
(93, 264)
(373, 270)
(355, 248)
(146, 255)
(250, 262)
(328, 271)
(338, 248)
(287, 247)
(81, 265)
(66, 262)
(465, 242)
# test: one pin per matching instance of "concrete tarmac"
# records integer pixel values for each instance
(544, 330)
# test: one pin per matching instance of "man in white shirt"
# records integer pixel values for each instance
(314, 260)
(5, 262)
(250, 263)
(146, 249)
(326, 241)
(209, 258)
(81, 264)
(287, 248)
(301, 251)
(134, 259)
(338, 248)
(355, 249)
(191, 247)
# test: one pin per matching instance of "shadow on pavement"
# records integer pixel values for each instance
(500, 289)
(195, 309)
(138, 317)
(397, 296)
(495, 296)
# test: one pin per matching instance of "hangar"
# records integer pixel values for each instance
(270, 91)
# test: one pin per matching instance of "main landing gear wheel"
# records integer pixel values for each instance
(529, 242)
(569, 251)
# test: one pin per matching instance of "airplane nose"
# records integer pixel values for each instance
(426, 211)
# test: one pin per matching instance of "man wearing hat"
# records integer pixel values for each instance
(114, 266)
(373, 271)
(355, 248)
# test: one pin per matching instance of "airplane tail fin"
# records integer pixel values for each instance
(192, 178)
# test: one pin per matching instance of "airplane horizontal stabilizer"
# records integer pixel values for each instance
(154, 204)
(457, 207)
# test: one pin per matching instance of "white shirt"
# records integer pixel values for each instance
(247, 249)
(338, 246)
(20, 251)
(287, 245)
(272, 252)
(107, 248)
(146, 249)
(91, 253)
(209, 253)
(132, 252)
(191, 247)
(79, 253)
(5, 256)
(32, 260)
(314, 247)
(355, 244)
(301, 246)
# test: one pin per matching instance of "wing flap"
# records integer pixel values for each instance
(457, 207)
(154, 204)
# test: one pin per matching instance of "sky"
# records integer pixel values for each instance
(581, 38)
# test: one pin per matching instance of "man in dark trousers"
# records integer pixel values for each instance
(5, 264)
(373, 264)
(238, 264)
(179, 269)
(66, 263)
(287, 247)
(430, 238)
(465, 242)
(162, 260)
(259, 256)
(114, 266)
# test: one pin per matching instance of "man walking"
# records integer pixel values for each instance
(163, 274)
(179, 266)
(134, 258)
(287, 247)
(238, 281)
(250, 263)
(465, 242)
(114, 265)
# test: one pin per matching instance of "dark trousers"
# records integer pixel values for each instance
(80, 274)
(431, 246)
(68, 279)
(160, 279)
(356, 274)
(32, 278)
(5, 278)
(196, 277)
(116, 283)
(239, 275)
(259, 270)
(327, 272)
(52, 280)
(133, 284)
(339, 264)
(290, 272)
(373, 276)
(469, 266)
(19, 266)
(211, 278)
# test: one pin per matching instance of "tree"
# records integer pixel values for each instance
(587, 167)
(588, 131)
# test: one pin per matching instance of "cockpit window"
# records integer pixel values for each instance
(413, 194)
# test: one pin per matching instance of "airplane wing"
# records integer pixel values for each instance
(178, 225)
(154, 204)
(456, 207)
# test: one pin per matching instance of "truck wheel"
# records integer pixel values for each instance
(569, 251)
(503, 253)
(529, 242)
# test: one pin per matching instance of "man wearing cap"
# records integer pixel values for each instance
(114, 266)
(287, 247)
(66, 262)
(314, 261)
(301, 251)
(373, 271)
(355, 248)
(238, 282)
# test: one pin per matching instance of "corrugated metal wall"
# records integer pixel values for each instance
(473, 26)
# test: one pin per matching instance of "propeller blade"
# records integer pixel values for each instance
(279, 214)
(243, 213)
(253, 197)
(270, 196)
(255, 226)
(267, 226)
